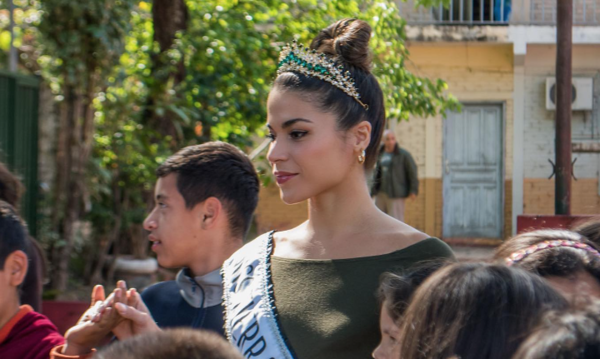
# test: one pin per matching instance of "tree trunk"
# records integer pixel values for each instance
(169, 18)
(74, 148)
(113, 236)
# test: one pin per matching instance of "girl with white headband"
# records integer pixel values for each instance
(567, 260)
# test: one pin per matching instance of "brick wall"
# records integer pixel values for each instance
(539, 122)
(538, 191)
(272, 213)
(507, 208)
(544, 11)
(538, 196)
(414, 212)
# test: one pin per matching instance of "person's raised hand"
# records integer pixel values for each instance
(138, 317)
(95, 323)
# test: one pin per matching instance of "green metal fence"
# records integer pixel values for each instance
(19, 97)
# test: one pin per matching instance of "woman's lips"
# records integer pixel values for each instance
(283, 177)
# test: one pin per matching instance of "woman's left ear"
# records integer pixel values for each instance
(362, 135)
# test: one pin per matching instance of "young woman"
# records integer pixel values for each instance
(567, 260)
(474, 311)
(309, 292)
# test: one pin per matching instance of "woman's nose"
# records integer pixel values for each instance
(277, 152)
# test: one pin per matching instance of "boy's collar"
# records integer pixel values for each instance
(200, 291)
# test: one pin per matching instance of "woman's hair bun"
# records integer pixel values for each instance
(348, 41)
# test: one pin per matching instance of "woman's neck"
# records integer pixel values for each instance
(346, 208)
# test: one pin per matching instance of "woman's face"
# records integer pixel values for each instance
(308, 154)
(389, 347)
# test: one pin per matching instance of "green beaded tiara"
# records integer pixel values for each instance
(297, 58)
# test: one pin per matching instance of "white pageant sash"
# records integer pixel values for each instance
(250, 314)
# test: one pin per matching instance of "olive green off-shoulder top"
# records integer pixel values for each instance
(328, 309)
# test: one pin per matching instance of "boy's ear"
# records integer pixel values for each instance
(15, 267)
(212, 209)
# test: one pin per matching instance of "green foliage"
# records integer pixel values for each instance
(231, 47)
(124, 157)
(84, 36)
(229, 51)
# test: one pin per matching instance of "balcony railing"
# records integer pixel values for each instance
(498, 12)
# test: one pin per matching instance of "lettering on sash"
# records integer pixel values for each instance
(240, 316)
(250, 323)
(256, 349)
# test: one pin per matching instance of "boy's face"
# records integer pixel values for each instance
(175, 230)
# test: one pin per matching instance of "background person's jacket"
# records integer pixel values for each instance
(405, 180)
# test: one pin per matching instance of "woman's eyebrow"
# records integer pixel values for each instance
(288, 123)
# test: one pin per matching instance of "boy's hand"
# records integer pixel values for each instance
(95, 323)
(138, 317)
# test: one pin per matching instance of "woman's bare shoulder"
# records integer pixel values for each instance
(398, 235)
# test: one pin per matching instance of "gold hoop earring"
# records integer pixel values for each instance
(361, 157)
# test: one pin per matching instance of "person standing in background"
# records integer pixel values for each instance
(395, 177)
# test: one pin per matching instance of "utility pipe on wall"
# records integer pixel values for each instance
(564, 41)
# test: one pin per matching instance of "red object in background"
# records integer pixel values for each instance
(64, 314)
(531, 222)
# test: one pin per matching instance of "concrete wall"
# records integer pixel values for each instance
(538, 191)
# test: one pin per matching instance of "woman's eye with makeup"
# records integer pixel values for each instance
(271, 137)
(296, 135)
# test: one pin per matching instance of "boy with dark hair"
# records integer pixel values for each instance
(205, 197)
(24, 334)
